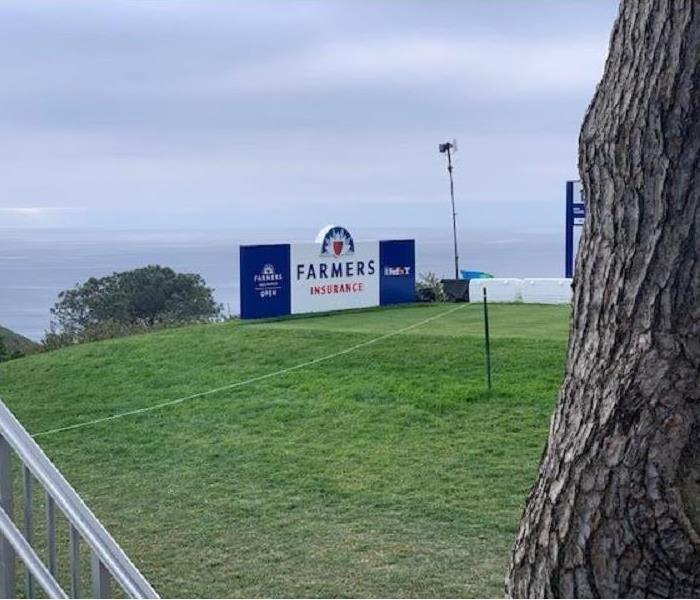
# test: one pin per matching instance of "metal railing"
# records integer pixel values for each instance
(107, 560)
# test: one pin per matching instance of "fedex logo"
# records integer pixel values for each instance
(397, 271)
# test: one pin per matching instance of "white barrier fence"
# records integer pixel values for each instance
(497, 290)
(530, 291)
(547, 291)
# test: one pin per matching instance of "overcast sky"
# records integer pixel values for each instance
(262, 114)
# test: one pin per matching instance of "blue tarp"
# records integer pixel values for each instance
(476, 275)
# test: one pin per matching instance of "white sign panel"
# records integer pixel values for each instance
(579, 211)
(338, 274)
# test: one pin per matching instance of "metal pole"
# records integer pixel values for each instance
(99, 576)
(454, 213)
(28, 522)
(7, 553)
(74, 562)
(487, 343)
(51, 533)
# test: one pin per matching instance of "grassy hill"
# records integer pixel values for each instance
(387, 471)
(15, 342)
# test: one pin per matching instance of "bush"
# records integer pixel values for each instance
(6, 353)
(127, 303)
(429, 288)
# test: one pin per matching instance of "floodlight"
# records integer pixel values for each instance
(448, 147)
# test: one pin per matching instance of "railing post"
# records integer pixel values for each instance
(7, 553)
(28, 521)
(74, 562)
(51, 533)
(99, 577)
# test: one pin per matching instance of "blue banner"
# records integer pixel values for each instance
(265, 283)
(397, 272)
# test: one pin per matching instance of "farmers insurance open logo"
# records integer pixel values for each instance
(337, 242)
(268, 283)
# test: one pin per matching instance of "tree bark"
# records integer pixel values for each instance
(615, 510)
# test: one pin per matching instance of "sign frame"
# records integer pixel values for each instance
(575, 217)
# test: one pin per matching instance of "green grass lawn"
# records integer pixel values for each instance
(384, 472)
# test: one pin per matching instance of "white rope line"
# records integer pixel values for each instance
(238, 384)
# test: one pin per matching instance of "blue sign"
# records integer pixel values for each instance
(575, 216)
(397, 272)
(265, 283)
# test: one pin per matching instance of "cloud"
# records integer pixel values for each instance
(481, 67)
(24, 211)
(145, 111)
(44, 216)
(37, 215)
(37, 210)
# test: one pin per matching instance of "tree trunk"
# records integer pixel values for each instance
(615, 511)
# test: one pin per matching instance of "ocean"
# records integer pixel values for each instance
(36, 264)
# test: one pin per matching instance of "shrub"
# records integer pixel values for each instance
(129, 302)
(429, 288)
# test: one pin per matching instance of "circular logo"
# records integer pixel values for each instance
(337, 242)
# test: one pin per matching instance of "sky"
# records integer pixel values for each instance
(269, 114)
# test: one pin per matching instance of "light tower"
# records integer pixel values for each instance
(450, 148)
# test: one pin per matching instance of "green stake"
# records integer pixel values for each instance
(487, 343)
